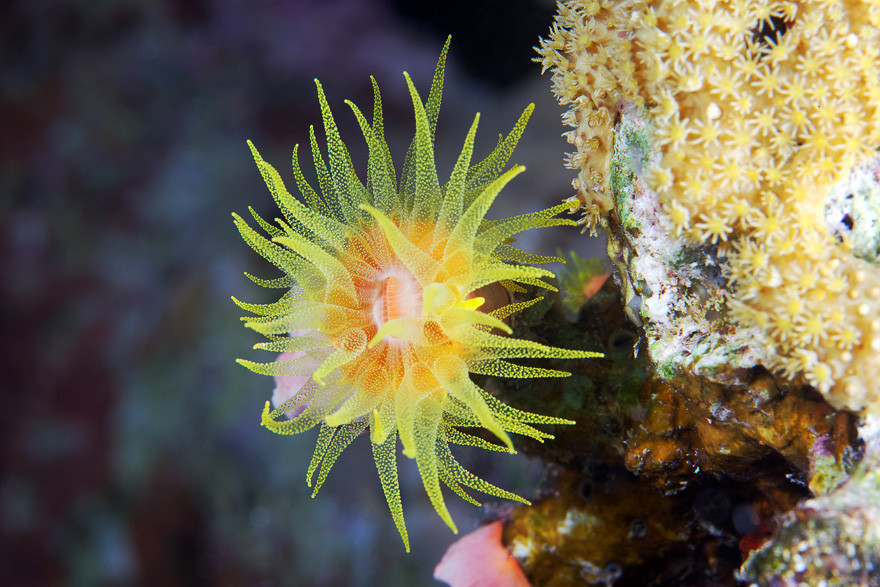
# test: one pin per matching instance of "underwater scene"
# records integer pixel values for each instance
(487, 293)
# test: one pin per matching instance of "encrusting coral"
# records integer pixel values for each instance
(382, 313)
(761, 126)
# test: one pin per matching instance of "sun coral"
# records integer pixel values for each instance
(383, 303)
(763, 119)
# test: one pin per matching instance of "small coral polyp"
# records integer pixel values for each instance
(755, 113)
(382, 321)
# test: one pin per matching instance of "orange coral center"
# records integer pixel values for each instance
(386, 290)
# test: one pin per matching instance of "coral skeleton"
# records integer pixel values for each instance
(385, 311)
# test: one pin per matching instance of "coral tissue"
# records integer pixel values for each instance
(761, 127)
(384, 315)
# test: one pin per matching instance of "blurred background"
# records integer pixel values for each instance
(130, 444)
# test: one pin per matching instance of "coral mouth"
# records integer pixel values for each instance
(398, 295)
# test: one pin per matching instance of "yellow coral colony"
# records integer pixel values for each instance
(760, 109)
(381, 306)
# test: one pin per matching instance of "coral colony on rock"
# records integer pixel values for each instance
(388, 304)
(745, 133)
(730, 152)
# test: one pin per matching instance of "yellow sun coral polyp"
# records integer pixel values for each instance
(381, 312)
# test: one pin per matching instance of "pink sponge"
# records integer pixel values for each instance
(479, 559)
